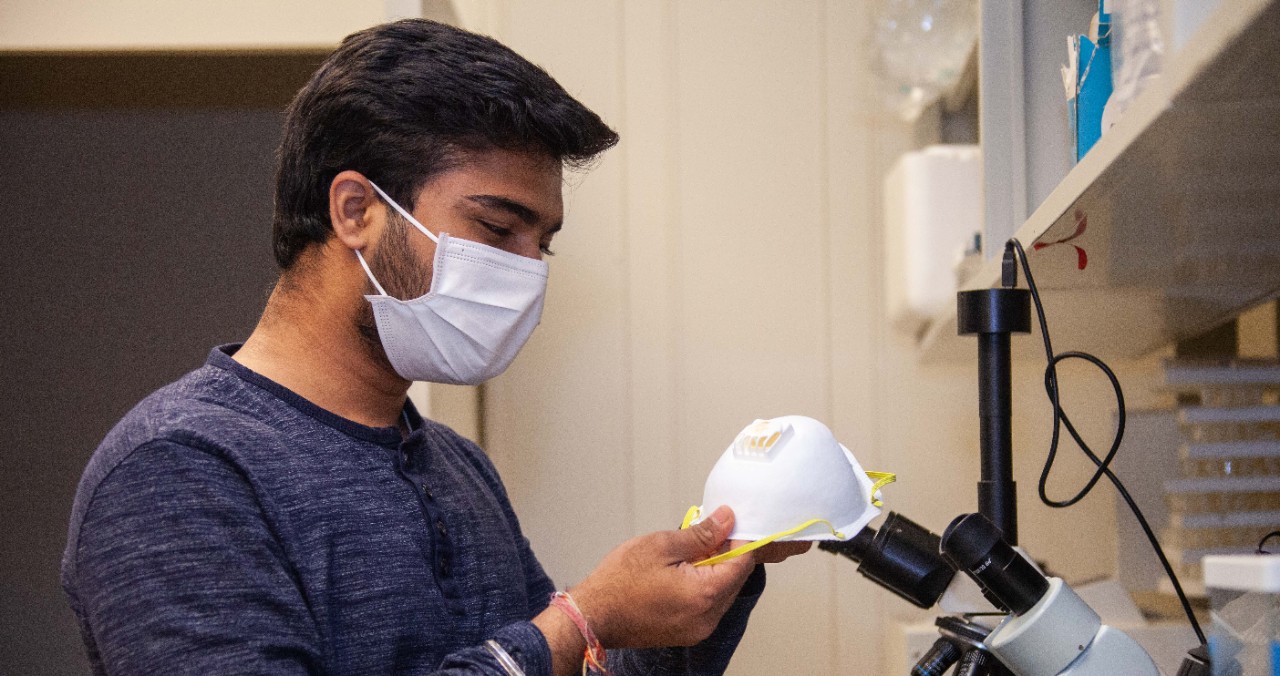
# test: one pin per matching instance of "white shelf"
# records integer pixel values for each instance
(1221, 484)
(1226, 520)
(1187, 376)
(1264, 448)
(1202, 415)
(1181, 201)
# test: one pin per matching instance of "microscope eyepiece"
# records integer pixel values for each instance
(1008, 580)
(901, 557)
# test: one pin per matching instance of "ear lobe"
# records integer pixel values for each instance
(351, 201)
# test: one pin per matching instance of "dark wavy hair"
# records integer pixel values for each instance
(405, 101)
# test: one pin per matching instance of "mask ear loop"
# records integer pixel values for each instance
(752, 546)
(409, 217)
(693, 512)
(369, 272)
(881, 479)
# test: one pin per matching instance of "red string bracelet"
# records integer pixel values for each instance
(593, 657)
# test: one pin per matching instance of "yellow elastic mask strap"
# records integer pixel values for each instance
(692, 514)
(881, 480)
(689, 516)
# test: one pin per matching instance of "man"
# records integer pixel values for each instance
(284, 509)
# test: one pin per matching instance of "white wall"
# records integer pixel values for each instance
(724, 264)
(227, 24)
(183, 24)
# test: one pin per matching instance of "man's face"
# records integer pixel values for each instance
(508, 200)
(505, 199)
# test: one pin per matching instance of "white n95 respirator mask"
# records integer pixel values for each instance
(789, 479)
(482, 306)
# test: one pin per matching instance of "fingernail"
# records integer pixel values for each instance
(721, 516)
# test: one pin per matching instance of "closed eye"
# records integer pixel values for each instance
(502, 232)
(496, 229)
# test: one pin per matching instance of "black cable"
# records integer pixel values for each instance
(1262, 546)
(1104, 465)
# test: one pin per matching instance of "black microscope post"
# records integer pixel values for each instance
(993, 314)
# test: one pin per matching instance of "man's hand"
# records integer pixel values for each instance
(775, 552)
(648, 593)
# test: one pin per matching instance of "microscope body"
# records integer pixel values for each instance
(1062, 635)
(1049, 629)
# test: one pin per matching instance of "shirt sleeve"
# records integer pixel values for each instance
(178, 571)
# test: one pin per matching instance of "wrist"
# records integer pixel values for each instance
(564, 641)
(594, 657)
(587, 603)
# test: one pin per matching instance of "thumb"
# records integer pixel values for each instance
(705, 537)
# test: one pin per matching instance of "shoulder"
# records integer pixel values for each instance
(207, 409)
(187, 424)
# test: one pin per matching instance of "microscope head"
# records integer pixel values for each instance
(974, 545)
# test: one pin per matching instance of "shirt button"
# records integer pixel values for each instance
(444, 532)
(444, 568)
(427, 490)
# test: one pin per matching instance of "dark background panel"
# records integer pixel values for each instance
(137, 236)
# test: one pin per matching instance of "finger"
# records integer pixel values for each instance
(733, 574)
(704, 538)
(778, 552)
(728, 575)
(774, 552)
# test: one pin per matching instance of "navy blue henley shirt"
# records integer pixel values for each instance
(227, 525)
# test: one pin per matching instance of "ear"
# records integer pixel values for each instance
(352, 203)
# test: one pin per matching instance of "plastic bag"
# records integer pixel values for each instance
(1137, 50)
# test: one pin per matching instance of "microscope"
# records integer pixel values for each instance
(1046, 628)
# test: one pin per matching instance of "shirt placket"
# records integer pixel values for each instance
(441, 557)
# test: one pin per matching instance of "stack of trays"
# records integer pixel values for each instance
(1228, 496)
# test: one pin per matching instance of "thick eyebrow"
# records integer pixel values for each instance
(510, 206)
